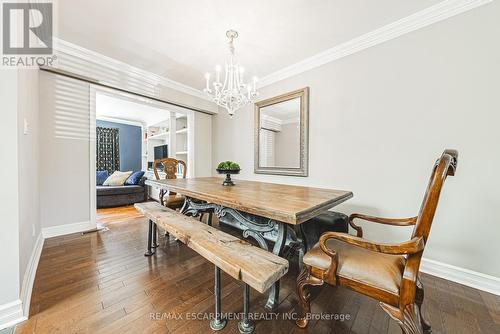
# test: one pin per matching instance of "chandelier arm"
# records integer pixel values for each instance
(233, 94)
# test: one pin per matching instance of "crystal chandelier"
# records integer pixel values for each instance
(234, 93)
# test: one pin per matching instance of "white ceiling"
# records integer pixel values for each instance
(116, 108)
(181, 40)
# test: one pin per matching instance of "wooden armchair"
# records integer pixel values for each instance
(170, 199)
(385, 272)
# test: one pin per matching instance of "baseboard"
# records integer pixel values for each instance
(29, 275)
(55, 231)
(463, 276)
(11, 314)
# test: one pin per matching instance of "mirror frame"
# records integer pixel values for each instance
(303, 170)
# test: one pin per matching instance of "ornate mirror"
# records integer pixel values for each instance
(281, 134)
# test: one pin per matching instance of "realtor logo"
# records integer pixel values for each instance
(27, 28)
(27, 34)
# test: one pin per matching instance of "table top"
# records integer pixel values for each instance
(287, 203)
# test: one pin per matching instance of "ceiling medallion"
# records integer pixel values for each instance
(234, 93)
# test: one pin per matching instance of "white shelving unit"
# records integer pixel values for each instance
(154, 135)
(181, 138)
(174, 131)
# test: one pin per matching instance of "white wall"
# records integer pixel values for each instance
(380, 118)
(202, 144)
(9, 193)
(19, 196)
(29, 190)
(176, 96)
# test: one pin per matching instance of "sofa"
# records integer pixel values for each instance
(111, 196)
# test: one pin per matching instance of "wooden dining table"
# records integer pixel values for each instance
(266, 212)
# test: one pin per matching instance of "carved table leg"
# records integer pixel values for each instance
(419, 299)
(408, 320)
(185, 206)
(259, 228)
(299, 231)
(305, 278)
(279, 245)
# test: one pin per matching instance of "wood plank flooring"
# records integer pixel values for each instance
(102, 283)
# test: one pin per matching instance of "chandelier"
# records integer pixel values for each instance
(234, 93)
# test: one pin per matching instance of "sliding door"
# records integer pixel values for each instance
(67, 133)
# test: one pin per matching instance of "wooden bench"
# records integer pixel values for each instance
(254, 266)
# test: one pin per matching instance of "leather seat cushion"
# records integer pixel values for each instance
(382, 271)
(173, 201)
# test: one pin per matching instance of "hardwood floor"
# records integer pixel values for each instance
(102, 283)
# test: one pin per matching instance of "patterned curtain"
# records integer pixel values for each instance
(108, 149)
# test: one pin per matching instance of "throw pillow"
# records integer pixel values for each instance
(134, 179)
(117, 178)
(101, 176)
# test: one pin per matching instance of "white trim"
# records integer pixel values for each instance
(29, 275)
(93, 157)
(463, 276)
(86, 54)
(11, 314)
(55, 231)
(418, 20)
(119, 120)
(142, 100)
(421, 19)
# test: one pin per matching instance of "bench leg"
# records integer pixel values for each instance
(149, 251)
(155, 234)
(246, 325)
(218, 323)
(274, 295)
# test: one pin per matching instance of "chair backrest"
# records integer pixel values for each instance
(169, 168)
(445, 165)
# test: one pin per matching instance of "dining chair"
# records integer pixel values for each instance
(387, 272)
(170, 167)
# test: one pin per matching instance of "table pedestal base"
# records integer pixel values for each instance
(258, 228)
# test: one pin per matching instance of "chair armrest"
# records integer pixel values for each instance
(412, 246)
(387, 221)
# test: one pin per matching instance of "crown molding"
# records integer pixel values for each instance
(74, 50)
(418, 20)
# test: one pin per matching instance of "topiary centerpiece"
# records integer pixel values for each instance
(228, 168)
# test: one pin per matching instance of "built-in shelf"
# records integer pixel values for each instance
(159, 136)
(174, 131)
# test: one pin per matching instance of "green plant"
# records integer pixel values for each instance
(228, 165)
